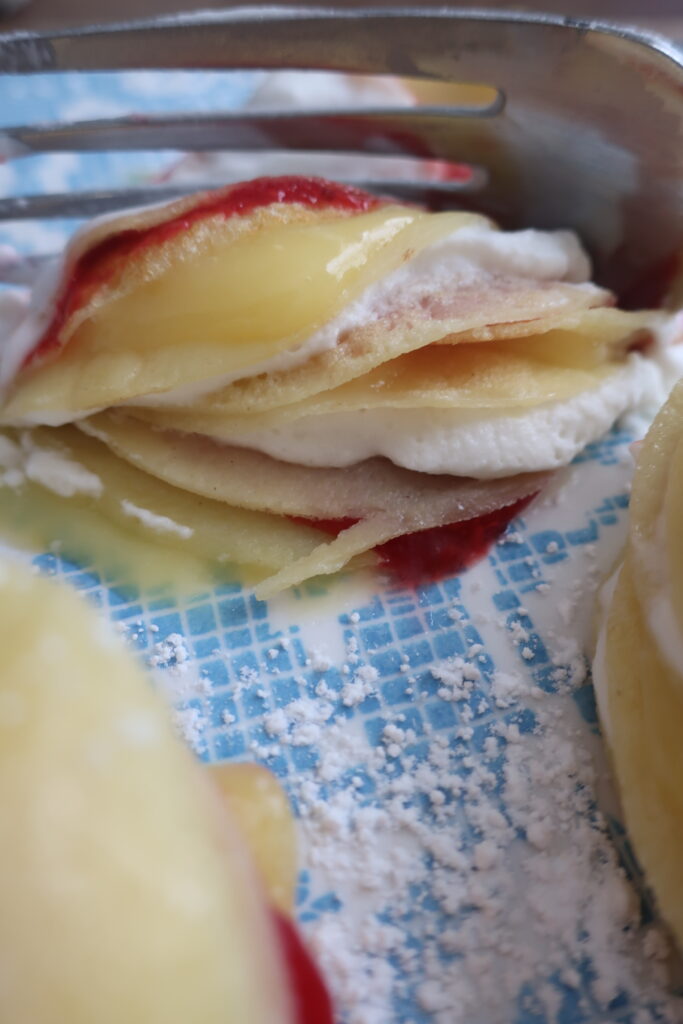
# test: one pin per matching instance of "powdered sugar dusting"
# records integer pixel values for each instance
(504, 843)
(475, 878)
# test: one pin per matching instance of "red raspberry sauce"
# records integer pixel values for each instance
(433, 554)
(312, 1003)
(99, 264)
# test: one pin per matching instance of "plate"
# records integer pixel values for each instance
(440, 745)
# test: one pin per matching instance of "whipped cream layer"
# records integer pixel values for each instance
(462, 442)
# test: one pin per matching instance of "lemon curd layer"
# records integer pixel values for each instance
(215, 303)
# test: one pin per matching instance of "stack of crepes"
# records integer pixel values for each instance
(638, 668)
(284, 358)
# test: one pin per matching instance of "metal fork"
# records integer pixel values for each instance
(586, 131)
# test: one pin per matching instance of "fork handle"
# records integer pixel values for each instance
(412, 42)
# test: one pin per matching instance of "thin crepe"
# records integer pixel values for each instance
(514, 373)
(388, 501)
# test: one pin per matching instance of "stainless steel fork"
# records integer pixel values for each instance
(585, 132)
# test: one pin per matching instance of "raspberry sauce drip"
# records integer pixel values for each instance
(445, 550)
(98, 265)
(312, 1003)
(430, 555)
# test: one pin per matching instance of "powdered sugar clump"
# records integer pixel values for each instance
(177, 676)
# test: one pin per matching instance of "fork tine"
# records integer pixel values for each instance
(422, 131)
(92, 203)
(446, 134)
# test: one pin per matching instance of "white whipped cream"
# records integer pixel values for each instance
(21, 333)
(484, 444)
